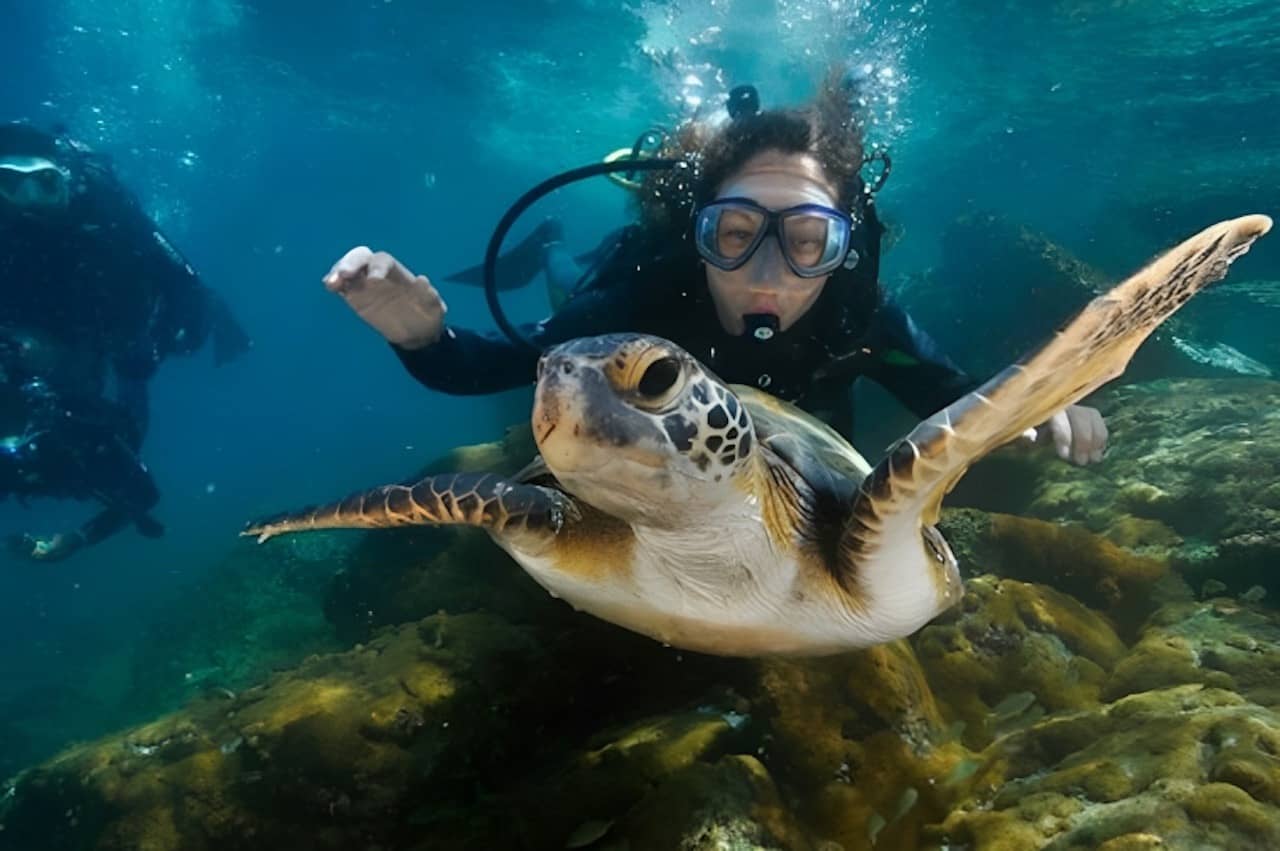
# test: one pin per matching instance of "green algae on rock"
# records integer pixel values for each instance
(1089, 567)
(1189, 767)
(1016, 637)
(1219, 643)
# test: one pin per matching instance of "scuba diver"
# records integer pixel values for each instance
(63, 445)
(93, 297)
(757, 249)
(81, 261)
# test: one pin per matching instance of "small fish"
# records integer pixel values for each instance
(875, 824)
(961, 771)
(1013, 705)
(1212, 588)
(1254, 594)
(588, 833)
(905, 803)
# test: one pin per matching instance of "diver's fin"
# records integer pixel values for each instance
(230, 340)
(517, 267)
(148, 526)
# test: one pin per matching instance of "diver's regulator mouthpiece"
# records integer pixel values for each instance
(762, 326)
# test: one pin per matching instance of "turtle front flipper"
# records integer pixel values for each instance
(903, 494)
(501, 507)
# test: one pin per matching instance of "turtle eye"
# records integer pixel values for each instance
(660, 381)
(658, 378)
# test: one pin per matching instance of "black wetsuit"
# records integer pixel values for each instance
(852, 331)
(99, 277)
(73, 447)
(88, 291)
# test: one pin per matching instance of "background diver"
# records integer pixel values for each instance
(62, 446)
(93, 297)
(81, 262)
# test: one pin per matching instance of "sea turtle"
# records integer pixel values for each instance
(718, 519)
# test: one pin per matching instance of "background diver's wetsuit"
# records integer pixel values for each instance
(850, 332)
(90, 289)
(100, 278)
(79, 448)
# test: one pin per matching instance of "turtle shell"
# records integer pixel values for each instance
(802, 440)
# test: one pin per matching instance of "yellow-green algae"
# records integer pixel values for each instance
(516, 727)
(1011, 637)
(1195, 767)
(1091, 568)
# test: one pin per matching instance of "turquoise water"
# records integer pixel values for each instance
(268, 138)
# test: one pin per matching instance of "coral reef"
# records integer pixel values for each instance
(394, 740)
(1180, 768)
(1089, 567)
(1015, 638)
(1020, 721)
(1081, 695)
(1190, 476)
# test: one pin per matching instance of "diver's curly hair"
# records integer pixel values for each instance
(827, 128)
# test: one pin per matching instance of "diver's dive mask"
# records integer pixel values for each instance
(33, 183)
(813, 238)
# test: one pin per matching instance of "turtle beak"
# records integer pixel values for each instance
(557, 415)
(580, 425)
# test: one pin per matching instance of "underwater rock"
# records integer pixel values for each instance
(259, 611)
(1012, 637)
(1191, 476)
(235, 621)
(665, 782)
(347, 749)
(1220, 643)
(819, 709)
(859, 742)
(399, 575)
(1190, 479)
(1181, 768)
(504, 457)
(1071, 559)
(729, 804)
(332, 750)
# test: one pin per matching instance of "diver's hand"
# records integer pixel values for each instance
(1079, 434)
(53, 548)
(400, 306)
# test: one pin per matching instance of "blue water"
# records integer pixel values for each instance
(268, 138)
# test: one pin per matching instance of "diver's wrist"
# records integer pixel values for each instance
(418, 342)
(413, 344)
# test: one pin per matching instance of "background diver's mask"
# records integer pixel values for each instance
(814, 239)
(33, 183)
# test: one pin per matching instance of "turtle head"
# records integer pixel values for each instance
(634, 425)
